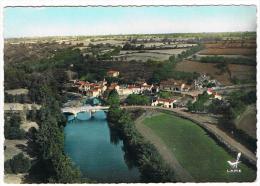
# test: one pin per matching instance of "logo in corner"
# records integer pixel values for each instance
(234, 164)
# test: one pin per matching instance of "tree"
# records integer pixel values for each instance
(18, 164)
(65, 171)
(12, 128)
(172, 59)
(50, 143)
(165, 94)
(135, 99)
(113, 98)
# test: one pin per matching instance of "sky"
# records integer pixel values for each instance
(63, 21)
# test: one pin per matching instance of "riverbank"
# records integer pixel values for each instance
(195, 151)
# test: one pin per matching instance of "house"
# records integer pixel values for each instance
(124, 91)
(214, 94)
(186, 88)
(146, 87)
(119, 58)
(112, 73)
(172, 85)
(167, 103)
(94, 92)
(135, 89)
(209, 91)
(129, 89)
(114, 86)
(217, 96)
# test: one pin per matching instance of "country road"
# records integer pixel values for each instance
(210, 126)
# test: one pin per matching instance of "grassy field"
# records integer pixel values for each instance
(198, 153)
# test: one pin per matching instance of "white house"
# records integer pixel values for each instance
(167, 103)
(113, 73)
(94, 92)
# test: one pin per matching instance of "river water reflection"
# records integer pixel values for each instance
(96, 151)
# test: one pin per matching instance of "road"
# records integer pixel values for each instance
(210, 126)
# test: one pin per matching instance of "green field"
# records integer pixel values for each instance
(198, 153)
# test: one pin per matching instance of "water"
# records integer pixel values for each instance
(97, 151)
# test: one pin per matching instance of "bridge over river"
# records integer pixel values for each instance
(89, 109)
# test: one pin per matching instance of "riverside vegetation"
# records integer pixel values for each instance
(148, 160)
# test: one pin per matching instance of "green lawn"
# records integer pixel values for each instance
(196, 151)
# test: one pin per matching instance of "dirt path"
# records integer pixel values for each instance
(181, 174)
(210, 126)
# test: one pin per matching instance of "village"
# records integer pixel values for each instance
(169, 93)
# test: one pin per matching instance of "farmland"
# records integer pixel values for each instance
(178, 134)
(241, 72)
(207, 68)
(156, 55)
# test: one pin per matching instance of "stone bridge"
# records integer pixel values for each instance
(89, 109)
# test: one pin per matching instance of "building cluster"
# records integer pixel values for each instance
(98, 88)
(175, 86)
(91, 89)
(138, 88)
(203, 81)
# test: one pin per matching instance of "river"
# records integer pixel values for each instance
(95, 149)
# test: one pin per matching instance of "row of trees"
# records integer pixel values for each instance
(186, 53)
(21, 98)
(52, 165)
(228, 60)
(148, 160)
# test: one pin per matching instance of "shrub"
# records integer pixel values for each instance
(12, 128)
(18, 164)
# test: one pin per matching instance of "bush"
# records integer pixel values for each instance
(18, 164)
(8, 168)
(12, 128)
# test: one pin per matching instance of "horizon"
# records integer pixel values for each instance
(131, 34)
(23, 22)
